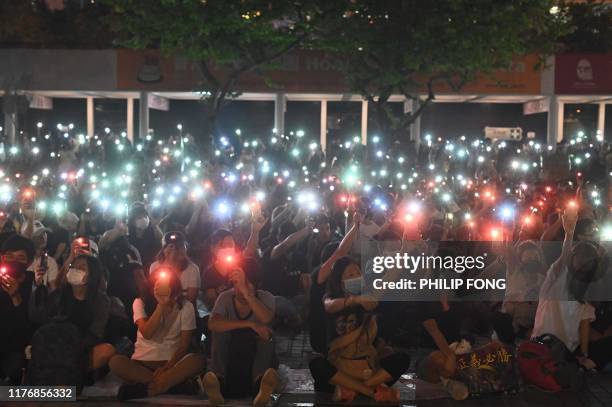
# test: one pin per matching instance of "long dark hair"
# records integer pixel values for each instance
(334, 283)
(176, 289)
(95, 274)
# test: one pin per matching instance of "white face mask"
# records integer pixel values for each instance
(142, 223)
(76, 277)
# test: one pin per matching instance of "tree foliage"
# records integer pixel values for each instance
(400, 47)
(236, 36)
(590, 26)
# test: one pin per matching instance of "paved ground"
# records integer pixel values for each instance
(295, 353)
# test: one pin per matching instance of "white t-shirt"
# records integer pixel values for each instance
(52, 268)
(190, 277)
(164, 342)
(557, 316)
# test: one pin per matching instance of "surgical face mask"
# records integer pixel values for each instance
(142, 223)
(76, 277)
(353, 285)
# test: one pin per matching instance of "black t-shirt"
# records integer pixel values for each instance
(15, 328)
(213, 278)
(449, 322)
(318, 331)
(282, 275)
(148, 246)
(343, 322)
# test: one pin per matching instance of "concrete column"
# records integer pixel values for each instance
(90, 116)
(10, 127)
(323, 133)
(280, 107)
(364, 122)
(130, 119)
(601, 122)
(143, 115)
(415, 128)
(555, 122)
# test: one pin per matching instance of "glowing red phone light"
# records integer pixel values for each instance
(409, 217)
(579, 174)
(548, 189)
(572, 204)
(495, 233)
(527, 220)
(343, 198)
(3, 270)
(229, 259)
(163, 274)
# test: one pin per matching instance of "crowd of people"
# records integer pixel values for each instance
(170, 263)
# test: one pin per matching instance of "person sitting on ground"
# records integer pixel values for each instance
(243, 356)
(82, 302)
(166, 322)
(353, 363)
(174, 255)
(15, 288)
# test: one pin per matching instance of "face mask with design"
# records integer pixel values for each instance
(142, 223)
(76, 277)
(353, 285)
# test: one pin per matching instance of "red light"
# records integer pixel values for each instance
(548, 189)
(3, 270)
(579, 174)
(229, 259)
(495, 234)
(527, 220)
(207, 185)
(279, 180)
(409, 217)
(163, 274)
(343, 199)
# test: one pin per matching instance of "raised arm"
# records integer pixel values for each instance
(342, 250)
(291, 240)
(253, 243)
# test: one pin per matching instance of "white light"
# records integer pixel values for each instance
(179, 126)
(39, 125)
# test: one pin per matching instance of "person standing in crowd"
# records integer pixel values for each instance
(17, 254)
(166, 323)
(243, 354)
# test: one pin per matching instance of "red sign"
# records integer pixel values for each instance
(583, 74)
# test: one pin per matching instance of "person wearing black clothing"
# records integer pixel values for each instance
(145, 236)
(15, 288)
(80, 301)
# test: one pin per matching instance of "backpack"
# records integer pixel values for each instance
(546, 363)
(57, 356)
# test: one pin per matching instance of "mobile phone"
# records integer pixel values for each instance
(84, 243)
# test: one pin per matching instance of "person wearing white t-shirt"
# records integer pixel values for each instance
(174, 256)
(561, 312)
(166, 322)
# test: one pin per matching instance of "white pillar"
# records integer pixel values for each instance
(601, 122)
(90, 116)
(10, 126)
(555, 122)
(415, 128)
(130, 119)
(143, 115)
(364, 122)
(323, 133)
(280, 106)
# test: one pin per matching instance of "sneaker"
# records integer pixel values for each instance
(213, 389)
(387, 394)
(457, 390)
(132, 391)
(269, 381)
(343, 394)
